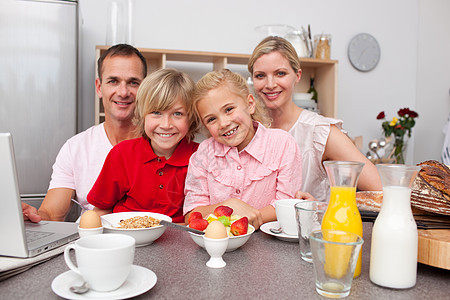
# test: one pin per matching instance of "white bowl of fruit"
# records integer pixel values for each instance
(237, 227)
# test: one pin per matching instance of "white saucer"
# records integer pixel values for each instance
(281, 236)
(138, 282)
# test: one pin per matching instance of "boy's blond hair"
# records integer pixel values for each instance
(238, 86)
(158, 92)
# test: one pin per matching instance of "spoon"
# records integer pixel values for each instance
(276, 230)
(80, 205)
(81, 289)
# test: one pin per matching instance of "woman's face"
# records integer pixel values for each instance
(227, 116)
(274, 79)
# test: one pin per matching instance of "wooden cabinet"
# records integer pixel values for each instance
(325, 72)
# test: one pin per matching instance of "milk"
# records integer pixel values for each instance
(393, 254)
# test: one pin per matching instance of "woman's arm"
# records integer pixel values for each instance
(340, 147)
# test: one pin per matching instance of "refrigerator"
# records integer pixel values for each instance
(38, 85)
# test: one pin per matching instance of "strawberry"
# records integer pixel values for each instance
(223, 211)
(195, 215)
(239, 227)
(199, 224)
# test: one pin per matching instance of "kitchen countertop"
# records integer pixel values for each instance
(264, 268)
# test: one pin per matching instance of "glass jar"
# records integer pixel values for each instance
(297, 40)
(322, 46)
(393, 252)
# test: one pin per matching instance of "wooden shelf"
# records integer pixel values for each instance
(325, 72)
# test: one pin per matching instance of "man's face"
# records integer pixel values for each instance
(118, 86)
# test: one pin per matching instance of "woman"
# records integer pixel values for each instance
(275, 69)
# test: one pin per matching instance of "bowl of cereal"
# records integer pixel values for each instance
(144, 227)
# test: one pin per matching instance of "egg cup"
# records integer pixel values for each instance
(216, 248)
(82, 232)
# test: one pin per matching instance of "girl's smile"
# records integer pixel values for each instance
(231, 132)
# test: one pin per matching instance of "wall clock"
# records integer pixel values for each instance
(364, 52)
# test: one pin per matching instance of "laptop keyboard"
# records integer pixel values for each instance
(36, 235)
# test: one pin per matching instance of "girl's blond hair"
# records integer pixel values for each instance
(237, 84)
(158, 92)
(275, 43)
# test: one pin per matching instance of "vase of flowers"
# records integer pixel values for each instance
(400, 127)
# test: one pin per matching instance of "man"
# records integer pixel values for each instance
(121, 69)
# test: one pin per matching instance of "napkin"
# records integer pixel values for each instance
(10, 266)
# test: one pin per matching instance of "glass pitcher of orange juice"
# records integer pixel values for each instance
(342, 212)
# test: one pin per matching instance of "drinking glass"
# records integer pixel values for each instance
(309, 218)
(335, 254)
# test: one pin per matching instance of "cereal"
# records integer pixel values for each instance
(139, 222)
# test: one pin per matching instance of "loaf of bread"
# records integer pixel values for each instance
(431, 188)
(369, 200)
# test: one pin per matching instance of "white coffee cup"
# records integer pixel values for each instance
(104, 260)
(285, 210)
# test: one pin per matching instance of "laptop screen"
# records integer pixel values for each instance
(47, 235)
(12, 231)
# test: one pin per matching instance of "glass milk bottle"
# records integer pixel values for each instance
(393, 254)
(342, 212)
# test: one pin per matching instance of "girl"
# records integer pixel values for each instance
(243, 165)
(275, 68)
(148, 173)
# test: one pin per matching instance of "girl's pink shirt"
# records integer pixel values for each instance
(269, 168)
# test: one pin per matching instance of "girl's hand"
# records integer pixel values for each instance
(241, 208)
(304, 196)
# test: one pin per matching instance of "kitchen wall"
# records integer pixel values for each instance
(408, 32)
(433, 78)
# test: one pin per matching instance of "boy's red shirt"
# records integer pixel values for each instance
(134, 178)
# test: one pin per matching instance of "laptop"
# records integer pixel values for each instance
(19, 238)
